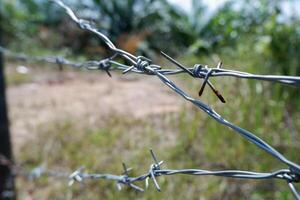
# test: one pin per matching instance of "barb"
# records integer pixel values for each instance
(217, 93)
(142, 65)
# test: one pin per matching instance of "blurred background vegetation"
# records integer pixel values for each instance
(258, 36)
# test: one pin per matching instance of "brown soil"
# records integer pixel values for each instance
(79, 96)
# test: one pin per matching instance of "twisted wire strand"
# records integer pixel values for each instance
(105, 65)
(114, 65)
(154, 171)
(143, 65)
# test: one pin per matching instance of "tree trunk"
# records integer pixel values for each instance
(7, 187)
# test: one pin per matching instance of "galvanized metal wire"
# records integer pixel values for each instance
(155, 170)
(143, 65)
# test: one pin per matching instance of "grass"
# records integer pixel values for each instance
(188, 139)
(16, 78)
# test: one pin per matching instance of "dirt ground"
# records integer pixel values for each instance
(81, 96)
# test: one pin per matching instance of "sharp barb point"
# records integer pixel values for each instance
(291, 174)
(108, 73)
(154, 157)
(219, 66)
(177, 63)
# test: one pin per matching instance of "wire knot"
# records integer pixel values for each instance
(105, 65)
(124, 180)
(36, 173)
(76, 177)
(59, 60)
(84, 24)
(152, 171)
(197, 70)
(142, 63)
(294, 174)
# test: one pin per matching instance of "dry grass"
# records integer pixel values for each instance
(72, 119)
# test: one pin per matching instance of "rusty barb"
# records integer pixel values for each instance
(143, 65)
(195, 73)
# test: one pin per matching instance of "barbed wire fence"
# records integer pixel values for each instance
(143, 65)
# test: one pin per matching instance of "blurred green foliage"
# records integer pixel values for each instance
(152, 25)
(256, 36)
(261, 32)
(22, 22)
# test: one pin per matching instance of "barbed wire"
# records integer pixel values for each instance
(143, 65)
(155, 170)
(198, 71)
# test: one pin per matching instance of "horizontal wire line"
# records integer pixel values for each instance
(143, 65)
